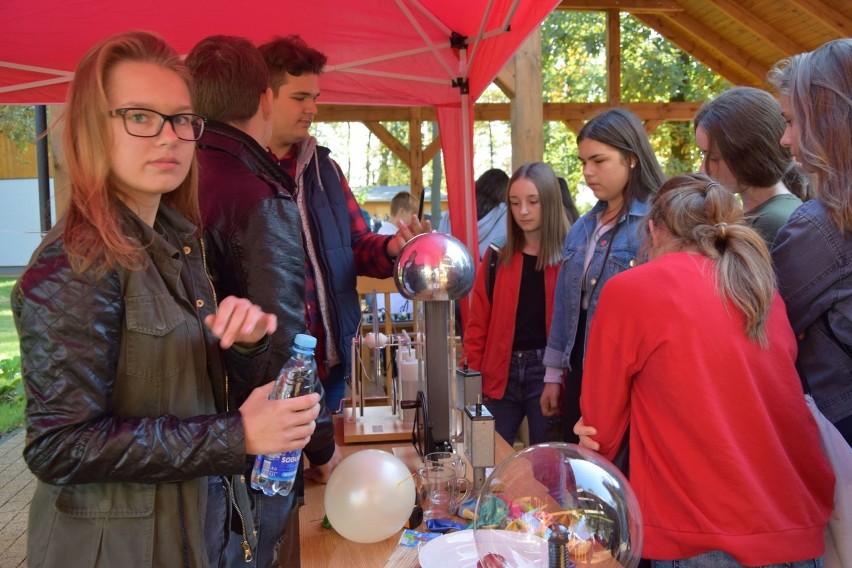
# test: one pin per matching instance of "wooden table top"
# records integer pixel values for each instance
(321, 547)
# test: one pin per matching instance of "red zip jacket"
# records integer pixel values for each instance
(487, 339)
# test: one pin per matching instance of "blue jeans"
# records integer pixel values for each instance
(719, 559)
(521, 398)
(270, 515)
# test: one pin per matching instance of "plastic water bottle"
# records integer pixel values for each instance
(275, 473)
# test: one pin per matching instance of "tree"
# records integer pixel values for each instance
(652, 69)
(17, 123)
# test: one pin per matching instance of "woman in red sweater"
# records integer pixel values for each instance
(694, 352)
(506, 344)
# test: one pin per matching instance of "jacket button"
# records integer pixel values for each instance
(603, 243)
(186, 250)
(593, 281)
(199, 303)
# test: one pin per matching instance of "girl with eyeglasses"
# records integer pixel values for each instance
(126, 356)
(693, 351)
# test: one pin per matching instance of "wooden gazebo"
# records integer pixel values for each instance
(739, 39)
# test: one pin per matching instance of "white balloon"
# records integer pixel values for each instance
(369, 496)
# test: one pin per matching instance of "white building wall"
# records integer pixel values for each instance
(20, 227)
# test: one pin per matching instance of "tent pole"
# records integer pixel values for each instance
(42, 167)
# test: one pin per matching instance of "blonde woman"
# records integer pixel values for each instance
(694, 351)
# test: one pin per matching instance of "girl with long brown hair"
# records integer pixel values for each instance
(510, 315)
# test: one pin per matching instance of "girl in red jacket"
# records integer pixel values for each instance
(506, 344)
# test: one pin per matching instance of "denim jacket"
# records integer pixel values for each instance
(813, 261)
(623, 254)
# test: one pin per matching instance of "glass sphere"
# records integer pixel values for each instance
(555, 505)
(434, 266)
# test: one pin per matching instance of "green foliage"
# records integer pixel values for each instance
(17, 123)
(573, 57)
(652, 70)
(11, 385)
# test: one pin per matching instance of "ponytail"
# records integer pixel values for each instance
(700, 213)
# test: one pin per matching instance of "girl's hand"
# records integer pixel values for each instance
(241, 322)
(550, 399)
(586, 433)
(274, 426)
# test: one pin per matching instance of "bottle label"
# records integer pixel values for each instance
(281, 467)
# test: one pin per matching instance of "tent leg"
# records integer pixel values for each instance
(42, 166)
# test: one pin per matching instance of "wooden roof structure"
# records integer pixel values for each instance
(738, 39)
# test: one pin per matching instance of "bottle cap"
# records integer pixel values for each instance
(305, 340)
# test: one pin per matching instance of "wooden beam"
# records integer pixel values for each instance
(651, 125)
(686, 39)
(505, 79)
(573, 125)
(388, 139)
(500, 112)
(831, 18)
(525, 109)
(432, 149)
(632, 6)
(773, 36)
(415, 153)
(613, 57)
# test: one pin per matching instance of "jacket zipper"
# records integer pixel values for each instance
(247, 555)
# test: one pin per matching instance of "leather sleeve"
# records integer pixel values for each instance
(70, 327)
(265, 259)
(320, 448)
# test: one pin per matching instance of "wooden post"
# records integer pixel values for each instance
(613, 56)
(526, 112)
(415, 149)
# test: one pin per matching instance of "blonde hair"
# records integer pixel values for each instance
(698, 212)
(94, 234)
(819, 84)
(554, 223)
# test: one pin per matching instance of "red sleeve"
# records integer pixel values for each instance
(479, 318)
(607, 375)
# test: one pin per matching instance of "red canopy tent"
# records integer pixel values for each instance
(440, 53)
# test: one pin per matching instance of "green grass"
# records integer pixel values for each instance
(11, 390)
(8, 335)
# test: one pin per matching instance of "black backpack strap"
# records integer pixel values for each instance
(493, 255)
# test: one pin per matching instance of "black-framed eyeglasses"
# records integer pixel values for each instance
(147, 123)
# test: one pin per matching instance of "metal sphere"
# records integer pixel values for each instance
(434, 266)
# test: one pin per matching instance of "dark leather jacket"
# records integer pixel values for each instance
(253, 230)
(121, 418)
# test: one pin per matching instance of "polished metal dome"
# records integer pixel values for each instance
(434, 266)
